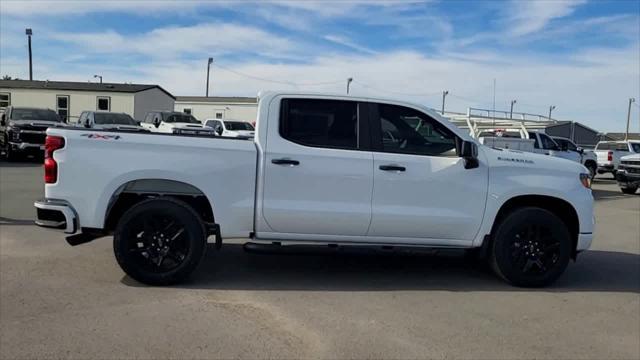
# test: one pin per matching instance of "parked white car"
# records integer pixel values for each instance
(231, 128)
(574, 152)
(628, 174)
(171, 122)
(104, 120)
(610, 152)
(322, 169)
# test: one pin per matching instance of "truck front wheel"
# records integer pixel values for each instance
(629, 189)
(159, 241)
(531, 247)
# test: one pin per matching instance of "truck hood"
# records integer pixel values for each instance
(35, 124)
(119, 127)
(179, 125)
(635, 157)
(531, 162)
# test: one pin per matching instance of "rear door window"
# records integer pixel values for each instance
(320, 123)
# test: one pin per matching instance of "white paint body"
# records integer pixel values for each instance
(334, 195)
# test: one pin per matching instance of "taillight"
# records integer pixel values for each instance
(610, 156)
(51, 144)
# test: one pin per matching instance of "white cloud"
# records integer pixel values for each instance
(341, 40)
(74, 7)
(174, 42)
(530, 16)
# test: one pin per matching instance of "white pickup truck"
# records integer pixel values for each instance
(610, 152)
(322, 169)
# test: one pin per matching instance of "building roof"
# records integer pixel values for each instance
(218, 99)
(79, 86)
(615, 136)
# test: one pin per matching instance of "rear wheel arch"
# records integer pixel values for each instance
(559, 207)
(135, 191)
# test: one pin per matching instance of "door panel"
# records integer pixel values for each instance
(432, 196)
(435, 197)
(316, 180)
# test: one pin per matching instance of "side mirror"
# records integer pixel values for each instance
(469, 152)
(219, 130)
(87, 123)
(580, 150)
(156, 122)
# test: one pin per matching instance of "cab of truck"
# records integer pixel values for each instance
(173, 122)
(23, 130)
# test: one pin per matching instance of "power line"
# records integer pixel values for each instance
(254, 77)
(395, 92)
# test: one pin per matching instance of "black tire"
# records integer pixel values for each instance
(593, 169)
(525, 230)
(159, 241)
(9, 154)
(629, 190)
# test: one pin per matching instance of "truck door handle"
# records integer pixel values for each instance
(285, 162)
(392, 168)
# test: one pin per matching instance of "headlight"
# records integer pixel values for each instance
(15, 133)
(585, 179)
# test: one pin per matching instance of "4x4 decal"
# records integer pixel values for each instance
(100, 136)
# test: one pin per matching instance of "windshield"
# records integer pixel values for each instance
(238, 125)
(34, 114)
(635, 147)
(180, 118)
(111, 118)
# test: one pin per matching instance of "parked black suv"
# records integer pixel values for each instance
(23, 130)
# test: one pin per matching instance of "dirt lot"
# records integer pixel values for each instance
(61, 301)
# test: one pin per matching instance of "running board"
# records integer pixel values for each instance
(277, 248)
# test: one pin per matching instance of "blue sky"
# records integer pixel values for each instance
(581, 56)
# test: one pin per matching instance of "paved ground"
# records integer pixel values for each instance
(61, 301)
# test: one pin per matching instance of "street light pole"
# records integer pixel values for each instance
(208, 70)
(98, 76)
(444, 95)
(29, 32)
(511, 112)
(626, 134)
(349, 80)
(551, 108)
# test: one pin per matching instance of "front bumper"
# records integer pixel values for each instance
(584, 241)
(23, 146)
(626, 178)
(57, 214)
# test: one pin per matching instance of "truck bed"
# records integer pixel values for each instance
(104, 161)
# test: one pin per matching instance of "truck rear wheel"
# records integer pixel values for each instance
(159, 241)
(629, 189)
(531, 247)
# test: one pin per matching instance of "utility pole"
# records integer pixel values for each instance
(208, 70)
(551, 108)
(511, 112)
(98, 76)
(444, 95)
(349, 80)
(626, 134)
(29, 32)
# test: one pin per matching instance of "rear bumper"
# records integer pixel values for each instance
(56, 214)
(606, 167)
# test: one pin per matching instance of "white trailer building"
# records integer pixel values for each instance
(219, 107)
(69, 99)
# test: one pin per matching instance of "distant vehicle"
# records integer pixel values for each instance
(231, 128)
(104, 120)
(610, 152)
(586, 157)
(23, 130)
(628, 174)
(173, 122)
(324, 169)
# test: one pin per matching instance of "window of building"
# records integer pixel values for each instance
(320, 123)
(408, 131)
(103, 103)
(187, 111)
(5, 100)
(62, 107)
(219, 114)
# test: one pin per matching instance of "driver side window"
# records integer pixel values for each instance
(407, 131)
